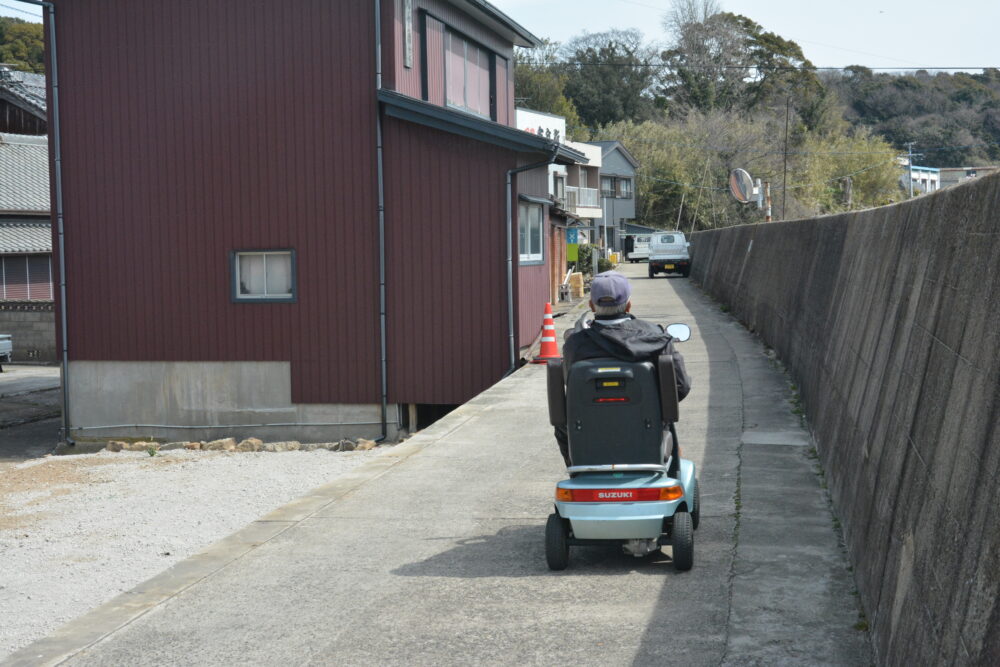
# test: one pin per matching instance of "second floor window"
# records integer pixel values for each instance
(624, 188)
(558, 186)
(607, 186)
(467, 75)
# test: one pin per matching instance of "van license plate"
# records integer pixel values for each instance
(668, 266)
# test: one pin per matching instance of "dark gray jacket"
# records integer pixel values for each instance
(631, 340)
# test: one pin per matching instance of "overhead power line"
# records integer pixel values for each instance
(23, 11)
(802, 68)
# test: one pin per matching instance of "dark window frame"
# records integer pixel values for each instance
(234, 289)
(491, 112)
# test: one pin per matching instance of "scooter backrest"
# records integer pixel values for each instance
(613, 412)
(668, 387)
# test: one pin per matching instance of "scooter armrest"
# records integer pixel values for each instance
(668, 388)
(556, 392)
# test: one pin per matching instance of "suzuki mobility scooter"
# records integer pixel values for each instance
(627, 484)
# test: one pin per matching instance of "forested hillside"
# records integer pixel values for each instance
(723, 92)
(21, 44)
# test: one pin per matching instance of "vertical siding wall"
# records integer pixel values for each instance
(193, 129)
(446, 276)
(889, 320)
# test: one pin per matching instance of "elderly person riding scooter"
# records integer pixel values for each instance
(616, 333)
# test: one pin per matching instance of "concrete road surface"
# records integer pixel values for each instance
(433, 553)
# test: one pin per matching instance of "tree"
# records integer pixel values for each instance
(609, 76)
(723, 61)
(22, 44)
(539, 85)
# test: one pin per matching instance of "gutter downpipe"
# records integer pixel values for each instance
(381, 226)
(510, 254)
(60, 230)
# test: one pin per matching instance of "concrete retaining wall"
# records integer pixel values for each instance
(33, 326)
(889, 320)
(175, 400)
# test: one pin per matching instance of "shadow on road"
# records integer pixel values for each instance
(518, 551)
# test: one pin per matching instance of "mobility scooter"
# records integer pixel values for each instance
(627, 483)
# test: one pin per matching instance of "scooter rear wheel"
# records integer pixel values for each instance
(556, 543)
(682, 541)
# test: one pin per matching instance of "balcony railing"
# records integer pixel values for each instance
(577, 198)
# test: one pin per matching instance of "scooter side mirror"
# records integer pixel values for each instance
(680, 332)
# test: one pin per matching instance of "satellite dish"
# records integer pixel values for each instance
(741, 186)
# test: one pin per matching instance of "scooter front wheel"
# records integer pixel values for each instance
(556, 543)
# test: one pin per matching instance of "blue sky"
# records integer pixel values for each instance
(889, 33)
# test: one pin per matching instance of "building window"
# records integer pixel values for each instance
(26, 278)
(467, 75)
(607, 186)
(264, 275)
(529, 232)
(559, 187)
(624, 188)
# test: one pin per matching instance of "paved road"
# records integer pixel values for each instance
(29, 400)
(433, 554)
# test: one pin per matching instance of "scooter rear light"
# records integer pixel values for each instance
(674, 492)
(619, 495)
(616, 399)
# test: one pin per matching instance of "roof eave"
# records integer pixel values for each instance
(417, 111)
(500, 22)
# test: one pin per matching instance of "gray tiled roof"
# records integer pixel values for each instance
(24, 88)
(25, 237)
(24, 174)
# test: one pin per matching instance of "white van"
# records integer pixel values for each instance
(640, 248)
(668, 253)
(6, 347)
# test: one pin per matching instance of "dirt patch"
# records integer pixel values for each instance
(42, 480)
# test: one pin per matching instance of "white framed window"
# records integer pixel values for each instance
(261, 276)
(530, 232)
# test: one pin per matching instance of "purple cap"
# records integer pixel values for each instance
(610, 289)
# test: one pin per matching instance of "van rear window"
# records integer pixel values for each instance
(667, 238)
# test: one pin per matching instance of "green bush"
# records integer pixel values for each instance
(604, 265)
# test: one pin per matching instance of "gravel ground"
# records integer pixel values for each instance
(75, 531)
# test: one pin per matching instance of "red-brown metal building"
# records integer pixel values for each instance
(231, 266)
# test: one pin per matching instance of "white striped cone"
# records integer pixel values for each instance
(550, 349)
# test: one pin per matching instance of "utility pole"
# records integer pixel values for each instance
(909, 165)
(784, 178)
(767, 201)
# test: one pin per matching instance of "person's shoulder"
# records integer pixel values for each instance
(639, 323)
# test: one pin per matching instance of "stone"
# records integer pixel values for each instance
(250, 445)
(365, 444)
(116, 445)
(141, 446)
(284, 446)
(347, 445)
(313, 446)
(192, 445)
(225, 444)
(172, 445)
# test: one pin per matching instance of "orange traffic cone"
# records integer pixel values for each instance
(550, 350)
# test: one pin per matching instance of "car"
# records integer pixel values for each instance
(6, 348)
(640, 249)
(668, 253)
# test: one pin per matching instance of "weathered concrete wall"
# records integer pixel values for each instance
(172, 400)
(889, 320)
(33, 326)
